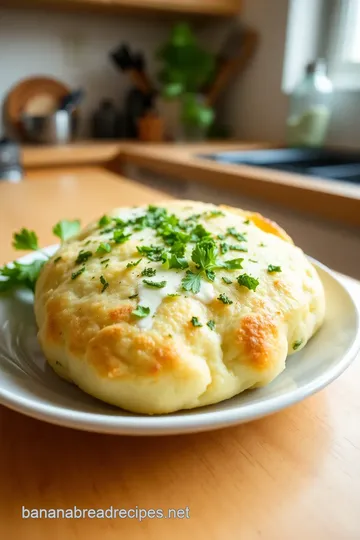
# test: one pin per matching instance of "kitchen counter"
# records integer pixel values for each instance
(291, 475)
(332, 200)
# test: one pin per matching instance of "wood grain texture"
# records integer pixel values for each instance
(293, 475)
(196, 7)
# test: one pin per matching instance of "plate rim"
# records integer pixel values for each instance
(141, 425)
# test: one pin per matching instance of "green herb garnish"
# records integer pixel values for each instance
(231, 231)
(83, 256)
(20, 275)
(248, 281)
(225, 299)
(25, 239)
(57, 260)
(271, 269)
(65, 229)
(195, 322)
(141, 312)
(104, 283)
(104, 261)
(148, 272)
(170, 260)
(213, 214)
(120, 237)
(191, 282)
(133, 263)
(155, 284)
(224, 247)
(153, 253)
(297, 344)
(133, 296)
(247, 222)
(226, 280)
(103, 248)
(211, 325)
(105, 220)
(76, 274)
(238, 248)
(232, 264)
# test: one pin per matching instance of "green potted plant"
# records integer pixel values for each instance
(186, 68)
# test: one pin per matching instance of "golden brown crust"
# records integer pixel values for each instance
(172, 364)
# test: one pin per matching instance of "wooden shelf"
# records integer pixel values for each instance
(195, 7)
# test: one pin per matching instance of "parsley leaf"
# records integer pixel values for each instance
(74, 275)
(104, 261)
(153, 253)
(133, 296)
(226, 280)
(248, 281)
(238, 248)
(191, 282)
(297, 344)
(170, 260)
(211, 325)
(210, 274)
(199, 233)
(156, 284)
(105, 220)
(224, 247)
(247, 222)
(231, 231)
(65, 229)
(25, 239)
(120, 237)
(271, 268)
(225, 299)
(104, 283)
(133, 263)
(149, 272)
(232, 264)
(103, 248)
(204, 254)
(195, 322)
(83, 256)
(20, 275)
(213, 214)
(141, 312)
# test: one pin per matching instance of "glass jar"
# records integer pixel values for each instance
(310, 108)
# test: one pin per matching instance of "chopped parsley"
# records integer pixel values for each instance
(195, 322)
(297, 344)
(211, 325)
(153, 253)
(103, 248)
(253, 260)
(74, 275)
(170, 260)
(57, 260)
(225, 299)
(83, 256)
(199, 233)
(141, 312)
(104, 283)
(247, 281)
(232, 264)
(155, 284)
(105, 220)
(104, 261)
(213, 214)
(191, 282)
(224, 247)
(133, 263)
(226, 280)
(238, 248)
(231, 231)
(271, 269)
(120, 237)
(148, 272)
(221, 236)
(210, 274)
(262, 244)
(133, 296)
(204, 255)
(173, 295)
(247, 222)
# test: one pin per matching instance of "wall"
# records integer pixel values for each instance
(73, 48)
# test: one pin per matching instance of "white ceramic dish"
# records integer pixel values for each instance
(28, 385)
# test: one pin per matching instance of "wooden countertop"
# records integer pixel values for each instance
(328, 199)
(291, 475)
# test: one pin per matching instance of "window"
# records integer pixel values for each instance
(344, 44)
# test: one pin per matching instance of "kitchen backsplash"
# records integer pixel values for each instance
(74, 49)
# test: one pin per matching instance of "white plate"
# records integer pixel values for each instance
(28, 385)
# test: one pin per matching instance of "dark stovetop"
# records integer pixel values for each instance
(330, 164)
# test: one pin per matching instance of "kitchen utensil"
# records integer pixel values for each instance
(10, 161)
(71, 101)
(35, 96)
(28, 385)
(105, 120)
(151, 128)
(134, 65)
(235, 54)
(56, 128)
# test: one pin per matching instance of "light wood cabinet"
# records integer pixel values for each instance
(199, 7)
